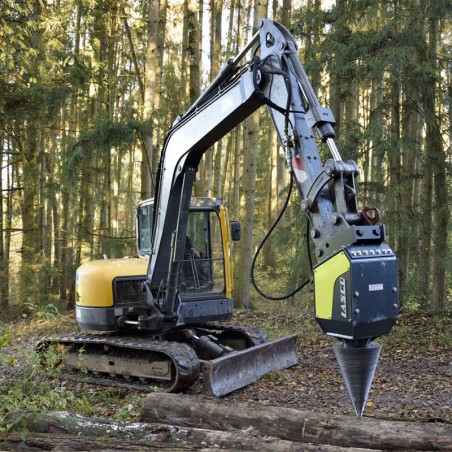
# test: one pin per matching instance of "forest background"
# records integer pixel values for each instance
(89, 88)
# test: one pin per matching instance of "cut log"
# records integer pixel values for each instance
(66, 431)
(61, 441)
(67, 442)
(295, 425)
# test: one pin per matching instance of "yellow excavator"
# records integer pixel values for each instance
(166, 315)
(111, 296)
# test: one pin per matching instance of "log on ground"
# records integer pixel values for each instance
(68, 431)
(295, 425)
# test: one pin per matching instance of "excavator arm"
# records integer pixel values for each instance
(354, 279)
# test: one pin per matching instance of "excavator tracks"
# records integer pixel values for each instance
(127, 361)
(171, 362)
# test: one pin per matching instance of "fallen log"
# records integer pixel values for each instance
(59, 441)
(68, 431)
(67, 442)
(295, 425)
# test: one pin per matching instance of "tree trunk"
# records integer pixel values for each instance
(294, 425)
(10, 173)
(150, 89)
(164, 439)
(248, 185)
(214, 183)
(235, 186)
(286, 12)
(158, 120)
(337, 82)
(394, 191)
(29, 288)
(376, 179)
(271, 192)
(410, 144)
(45, 226)
(185, 423)
(437, 158)
(105, 208)
(3, 294)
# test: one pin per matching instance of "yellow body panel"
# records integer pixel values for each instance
(325, 276)
(226, 239)
(93, 284)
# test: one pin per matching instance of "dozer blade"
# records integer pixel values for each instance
(241, 368)
(358, 366)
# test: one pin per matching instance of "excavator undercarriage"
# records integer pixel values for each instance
(229, 356)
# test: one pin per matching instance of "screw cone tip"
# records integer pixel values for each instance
(357, 366)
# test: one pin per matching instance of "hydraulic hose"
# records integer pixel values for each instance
(259, 248)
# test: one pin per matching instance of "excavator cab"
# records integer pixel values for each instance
(197, 269)
(205, 267)
(109, 291)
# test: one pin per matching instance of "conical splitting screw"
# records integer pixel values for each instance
(358, 367)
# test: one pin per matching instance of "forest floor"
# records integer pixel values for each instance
(413, 380)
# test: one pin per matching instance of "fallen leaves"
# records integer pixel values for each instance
(413, 380)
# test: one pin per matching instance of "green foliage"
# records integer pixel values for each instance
(105, 135)
(72, 157)
(38, 273)
(37, 389)
(78, 70)
(40, 100)
(131, 409)
(28, 390)
(5, 336)
(46, 312)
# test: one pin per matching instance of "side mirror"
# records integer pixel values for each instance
(235, 230)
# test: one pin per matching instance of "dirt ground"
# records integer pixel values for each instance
(404, 388)
(413, 380)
